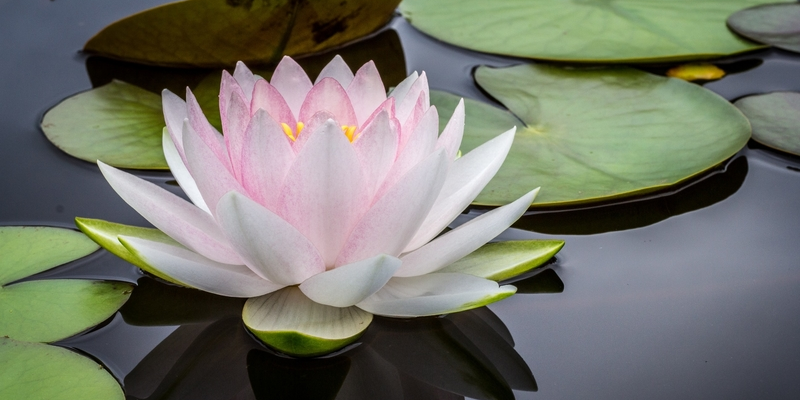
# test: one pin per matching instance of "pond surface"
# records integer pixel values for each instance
(693, 293)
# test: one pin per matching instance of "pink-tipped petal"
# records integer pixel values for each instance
(336, 69)
(267, 98)
(376, 147)
(349, 284)
(199, 272)
(212, 177)
(180, 172)
(467, 177)
(418, 89)
(410, 123)
(266, 159)
(234, 126)
(328, 95)
(312, 125)
(421, 143)
(207, 133)
(450, 139)
(434, 294)
(390, 223)
(388, 106)
(228, 86)
(174, 114)
(465, 239)
(270, 246)
(324, 194)
(246, 79)
(366, 91)
(180, 220)
(292, 82)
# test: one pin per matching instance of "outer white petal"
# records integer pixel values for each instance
(180, 220)
(292, 83)
(401, 90)
(174, 114)
(450, 139)
(197, 271)
(270, 246)
(337, 69)
(467, 177)
(180, 172)
(433, 294)
(465, 239)
(349, 284)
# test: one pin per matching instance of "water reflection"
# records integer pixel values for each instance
(212, 356)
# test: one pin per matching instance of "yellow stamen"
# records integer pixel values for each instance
(287, 130)
(300, 127)
(349, 130)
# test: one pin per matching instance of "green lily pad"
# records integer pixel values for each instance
(292, 323)
(775, 118)
(49, 310)
(589, 30)
(118, 123)
(106, 235)
(39, 371)
(213, 33)
(587, 135)
(503, 260)
(774, 24)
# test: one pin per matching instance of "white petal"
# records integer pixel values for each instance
(465, 239)
(450, 139)
(180, 220)
(245, 79)
(266, 158)
(337, 69)
(376, 147)
(420, 144)
(434, 294)
(180, 172)
(418, 89)
(401, 90)
(366, 91)
(292, 82)
(349, 284)
(270, 246)
(197, 271)
(467, 177)
(174, 114)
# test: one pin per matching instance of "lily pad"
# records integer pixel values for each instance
(39, 371)
(49, 310)
(118, 123)
(213, 33)
(775, 118)
(774, 24)
(591, 30)
(290, 322)
(503, 260)
(587, 135)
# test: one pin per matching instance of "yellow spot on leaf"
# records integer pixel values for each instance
(694, 72)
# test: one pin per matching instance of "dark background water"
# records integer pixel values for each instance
(694, 293)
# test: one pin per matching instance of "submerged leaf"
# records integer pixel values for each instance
(696, 72)
(775, 118)
(503, 260)
(118, 123)
(774, 24)
(214, 33)
(38, 371)
(615, 31)
(599, 134)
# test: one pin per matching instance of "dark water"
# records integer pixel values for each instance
(694, 293)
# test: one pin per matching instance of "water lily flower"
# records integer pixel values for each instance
(330, 189)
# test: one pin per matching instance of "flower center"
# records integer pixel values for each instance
(348, 130)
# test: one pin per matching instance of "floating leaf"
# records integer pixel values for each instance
(774, 24)
(118, 123)
(38, 371)
(503, 260)
(214, 33)
(775, 118)
(696, 72)
(291, 323)
(49, 310)
(598, 134)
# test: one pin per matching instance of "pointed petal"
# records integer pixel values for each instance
(180, 172)
(212, 177)
(246, 79)
(270, 246)
(324, 194)
(228, 86)
(434, 294)
(450, 139)
(328, 95)
(336, 69)
(465, 239)
(292, 82)
(174, 114)
(234, 126)
(207, 133)
(187, 224)
(349, 284)
(366, 91)
(266, 97)
(390, 223)
(401, 90)
(266, 158)
(197, 271)
(420, 143)
(410, 123)
(311, 126)
(388, 106)
(467, 177)
(376, 148)
(418, 89)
